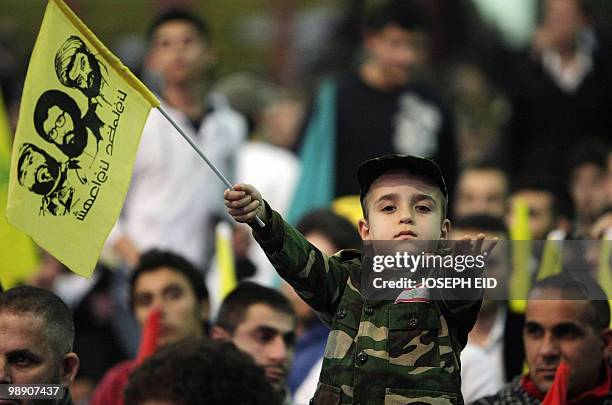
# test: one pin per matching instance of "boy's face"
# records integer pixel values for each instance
(402, 206)
(179, 52)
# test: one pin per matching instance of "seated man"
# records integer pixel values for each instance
(36, 335)
(563, 324)
(170, 284)
(261, 322)
(199, 371)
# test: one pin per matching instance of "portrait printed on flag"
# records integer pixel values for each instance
(80, 120)
(73, 126)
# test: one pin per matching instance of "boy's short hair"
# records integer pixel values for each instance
(408, 14)
(154, 259)
(237, 303)
(179, 14)
(372, 169)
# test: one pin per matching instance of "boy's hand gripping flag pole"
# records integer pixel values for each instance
(203, 156)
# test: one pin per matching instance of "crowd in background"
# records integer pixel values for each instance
(508, 125)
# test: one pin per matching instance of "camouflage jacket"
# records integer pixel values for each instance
(377, 351)
(514, 394)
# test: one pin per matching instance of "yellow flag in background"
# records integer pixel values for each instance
(225, 259)
(81, 117)
(18, 255)
(520, 278)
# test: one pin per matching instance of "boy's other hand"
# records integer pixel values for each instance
(467, 245)
(244, 203)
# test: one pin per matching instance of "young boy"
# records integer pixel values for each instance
(377, 351)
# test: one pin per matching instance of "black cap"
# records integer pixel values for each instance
(372, 169)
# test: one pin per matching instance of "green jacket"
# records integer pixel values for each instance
(378, 352)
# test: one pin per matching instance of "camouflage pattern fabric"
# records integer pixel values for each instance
(513, 394)
(377, 352)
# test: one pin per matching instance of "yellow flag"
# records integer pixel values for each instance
(520, 279)
(81, 117)
(18, 255)
(225, 259)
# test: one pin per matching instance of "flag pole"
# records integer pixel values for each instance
(203, 156)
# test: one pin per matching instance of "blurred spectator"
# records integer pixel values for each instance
(259, 101)
(261, 322)
(608, 182)
(602, 226)
(547, 207)
(169, 284)
(566, 322)
(494, 353)
(194, 372)
(11, 77)
(381, 107)
(36, 335)
(482, 188)
(482, 113)
(329, 233)
(93, 308)
(587, 188)
(563, 95)
(172, 196)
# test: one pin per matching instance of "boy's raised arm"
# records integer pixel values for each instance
(320, 280)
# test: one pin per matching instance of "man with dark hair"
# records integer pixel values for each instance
(194, 372)
(381, 107)
(586, 186)
(169, 179)
(168, 283)
(36, 337)
(261, 322)
(57, 119)
(566, 323)
(178, 14)
(482, 189)
(547, 205)
(338, 231)
(77, 67)
(40, 173)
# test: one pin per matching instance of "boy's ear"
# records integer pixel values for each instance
(364, 229)
(445, 229)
